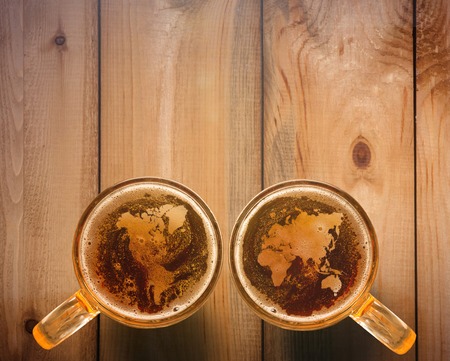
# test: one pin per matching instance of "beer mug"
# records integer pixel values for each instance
(147, 253)
(304, 255)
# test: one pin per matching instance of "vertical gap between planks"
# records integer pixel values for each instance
(99, 101)
(99, 131)
(261, 27)
(416, 290)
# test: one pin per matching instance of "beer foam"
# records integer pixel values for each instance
(300, 235)
(91, 242)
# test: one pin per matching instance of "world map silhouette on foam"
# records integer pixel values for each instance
(306, 236)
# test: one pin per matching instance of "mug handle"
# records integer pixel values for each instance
(384, 325)
(64, 321)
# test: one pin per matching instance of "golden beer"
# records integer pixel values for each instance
(304, 254)
(147, 253)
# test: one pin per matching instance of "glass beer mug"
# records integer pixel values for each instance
(304, 255)
(147, 253)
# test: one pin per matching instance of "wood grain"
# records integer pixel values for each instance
(49, 164)
(181, 99)
(338, 107)
(11, 178)
(433, 172)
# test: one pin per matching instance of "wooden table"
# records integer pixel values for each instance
(227, 97)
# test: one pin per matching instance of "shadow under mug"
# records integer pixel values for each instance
(147, 253)
(304, 255)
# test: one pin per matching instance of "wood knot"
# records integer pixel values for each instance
(29, 325)
(60, 40)
(361, 154)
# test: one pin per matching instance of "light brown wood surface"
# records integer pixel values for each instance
(48, 165)
(339, 81)
(227, 97)
(433, 174)
(172, 107)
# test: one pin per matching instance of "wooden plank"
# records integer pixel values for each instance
(11, 177)
(181, 99)
(338, 107)
(433, 171)
(48, 166)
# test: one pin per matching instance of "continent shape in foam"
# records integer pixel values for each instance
(148, 244)
(306, 236)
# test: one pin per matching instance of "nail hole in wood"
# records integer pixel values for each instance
(29, 325)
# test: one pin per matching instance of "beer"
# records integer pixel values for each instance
(302, 254)
(148, 251)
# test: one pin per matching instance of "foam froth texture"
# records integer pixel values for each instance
(303, 254)
(148, 251)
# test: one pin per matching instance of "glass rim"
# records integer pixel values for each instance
(194, 306)
(301, 325)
